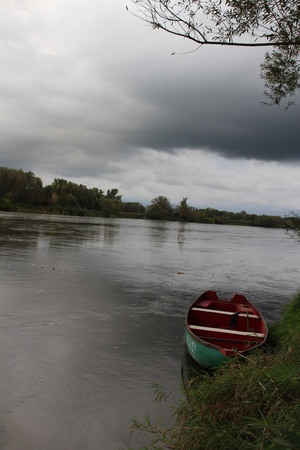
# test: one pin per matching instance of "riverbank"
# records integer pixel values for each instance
(248, 404)
(24, 192)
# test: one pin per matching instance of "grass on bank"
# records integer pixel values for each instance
(251, 403)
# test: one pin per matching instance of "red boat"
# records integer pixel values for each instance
(216, 329)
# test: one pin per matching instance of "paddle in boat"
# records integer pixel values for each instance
(216, 329)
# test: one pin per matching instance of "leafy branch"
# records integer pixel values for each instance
(238, 23)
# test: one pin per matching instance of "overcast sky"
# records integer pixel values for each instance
(91, 94)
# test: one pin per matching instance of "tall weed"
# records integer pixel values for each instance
(250, 403)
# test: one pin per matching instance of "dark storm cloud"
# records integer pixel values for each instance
(226, 119)
(101, 95)
(96, 95)
(276, 140)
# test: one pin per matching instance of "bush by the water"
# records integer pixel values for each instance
(251, 403)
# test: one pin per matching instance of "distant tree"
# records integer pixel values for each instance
(111, 203)
(113, 193)
(160, 209)
(133, 208)
(59, 185)
(33, 190)
(97, 197)
(17, 186)
(243, 23)
(71, 195)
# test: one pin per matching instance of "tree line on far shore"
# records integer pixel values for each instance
(24, 192)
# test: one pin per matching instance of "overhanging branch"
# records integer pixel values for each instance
(225, 43)
(266, 24)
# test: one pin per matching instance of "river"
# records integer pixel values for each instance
(92, 314)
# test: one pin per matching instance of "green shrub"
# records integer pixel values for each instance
(251, 403)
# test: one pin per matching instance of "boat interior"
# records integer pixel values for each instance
(232, 324)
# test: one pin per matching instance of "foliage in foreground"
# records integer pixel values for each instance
(292, 225)
(249, 404)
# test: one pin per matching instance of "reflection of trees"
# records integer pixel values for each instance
(20, 231)
(110, 232)
(180, 236)
(158, 234)
(80, 233)
(16, 233)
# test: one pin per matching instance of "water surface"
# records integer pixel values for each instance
(92, 313)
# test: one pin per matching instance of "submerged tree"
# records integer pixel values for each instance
(185, 212)
(243, 23)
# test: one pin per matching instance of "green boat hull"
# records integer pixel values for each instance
(205, 356)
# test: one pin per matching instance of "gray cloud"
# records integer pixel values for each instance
(87, 94)
(227, 118)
